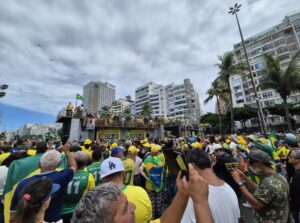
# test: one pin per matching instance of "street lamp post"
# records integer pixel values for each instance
(233, 11)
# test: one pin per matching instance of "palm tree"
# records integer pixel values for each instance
(284, 81)
(147, 110)
(219, 90)
(228, 67)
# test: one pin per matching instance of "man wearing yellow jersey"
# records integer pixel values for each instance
(129, 165)
(81, 183)
(112, 170)
(87, 148)
(87, 145)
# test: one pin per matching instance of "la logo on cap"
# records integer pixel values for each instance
(111, 165)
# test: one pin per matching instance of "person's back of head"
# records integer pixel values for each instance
(75, 148)
(33, 144)
(34, 197)
(50, 160)
(98, 205)
(97, 155)
(41, 147)
(199, 158)
(81, 159)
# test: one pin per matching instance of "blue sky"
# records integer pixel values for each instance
(13, 117)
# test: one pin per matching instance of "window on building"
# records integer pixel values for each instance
(260, 65)
(239, 94)
(267, 94)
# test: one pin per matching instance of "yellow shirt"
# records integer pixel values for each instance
(31, 152)
(283, 151)
(3, 156)
(139, 197)
(129, 166)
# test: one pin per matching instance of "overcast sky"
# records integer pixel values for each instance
(50, 49)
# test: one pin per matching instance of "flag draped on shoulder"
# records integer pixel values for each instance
(17, 171)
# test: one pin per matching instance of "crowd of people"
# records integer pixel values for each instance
(133, 181)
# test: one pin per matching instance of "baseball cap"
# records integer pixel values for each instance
(114, 145)
(87, 142)
(132, 149)
(197, 145)
(260, 156)
(146, 145)
(291, 139)
(116, 150)
(214, 148)
(110, 166)
(155, 148)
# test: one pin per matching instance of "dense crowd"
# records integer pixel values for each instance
(132, 181)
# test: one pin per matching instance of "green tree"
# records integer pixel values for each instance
(244, 113)
(146, 110)
(228, 67)
(105, 108)
(212, 119)
(127, 112)
(284, 81)
(279, 109)
(128, 98)
(219, 90)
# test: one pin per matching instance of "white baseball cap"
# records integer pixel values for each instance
(110, 166)
(214, 148)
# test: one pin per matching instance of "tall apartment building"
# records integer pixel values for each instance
(98, 94)
(282, 40)
(142, 95)
(171, 101)
(183, 102)
(120, 105)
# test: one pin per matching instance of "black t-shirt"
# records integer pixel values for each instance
(295, 191)
(222, 173)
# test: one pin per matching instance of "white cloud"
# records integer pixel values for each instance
(126, 43)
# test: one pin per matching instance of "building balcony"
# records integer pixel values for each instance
(101, 123)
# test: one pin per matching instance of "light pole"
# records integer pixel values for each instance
(233, 11)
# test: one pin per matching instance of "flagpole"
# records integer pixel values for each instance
(76, 102)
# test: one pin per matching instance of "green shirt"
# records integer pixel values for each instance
(94, 169)
(82, 182)
(273, 192)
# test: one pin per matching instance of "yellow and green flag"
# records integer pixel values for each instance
(19, 170)
(79, 97)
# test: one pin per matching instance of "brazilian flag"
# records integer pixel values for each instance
(19, 170)
(79, 97)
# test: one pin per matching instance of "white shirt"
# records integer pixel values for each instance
(223, 204)
(3, 175)
(138, 163)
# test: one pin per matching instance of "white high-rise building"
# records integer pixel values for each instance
(120, 106)
(282, 40)
(171, 101)
(183, 102)
(142, 96)
(98, 94)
